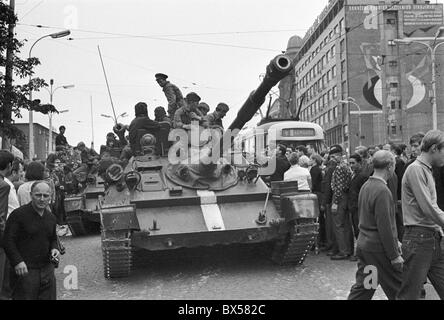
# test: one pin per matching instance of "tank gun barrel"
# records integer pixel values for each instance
(278, 69)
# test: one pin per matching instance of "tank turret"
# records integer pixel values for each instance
(211, 172)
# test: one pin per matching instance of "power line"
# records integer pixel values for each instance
(161, 38)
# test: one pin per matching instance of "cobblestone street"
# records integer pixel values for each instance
(233, 272)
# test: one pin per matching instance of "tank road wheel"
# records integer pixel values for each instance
(296, 245)
(117, 253)
(75, 223)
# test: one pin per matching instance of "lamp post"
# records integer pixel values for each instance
(55, 35)
(353, 101)
(51, 95)
(433, 47)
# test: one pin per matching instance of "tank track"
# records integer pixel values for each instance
(75, 223)
(296, 245)
(117, 254)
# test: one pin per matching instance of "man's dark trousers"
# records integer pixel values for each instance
(342, 228)
(332, 245)
(387, 276)
(38, 284)
(423, 257)
(5, 292)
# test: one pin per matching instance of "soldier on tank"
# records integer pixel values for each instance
(214, 119)
(203, 108)
(161, 116)
(189, 112)
(172, 93)
(140, 122)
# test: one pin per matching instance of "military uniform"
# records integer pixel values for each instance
(174, 97)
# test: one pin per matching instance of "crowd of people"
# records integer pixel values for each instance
(377, 207)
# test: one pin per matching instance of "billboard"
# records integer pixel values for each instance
(369, 55)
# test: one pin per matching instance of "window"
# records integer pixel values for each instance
(328, 76)
(336, 29)
(335, 92)
(330, 35)
(393, 129)
(333, 52)
(333, 72)
(329, 116)
(344, 90)
(342, 46)
(324, 81)
(335, 112)
(343, 67)
(391, 21)
(329, 95)
(393, 104)
(341, 25)
(393, 85)
(393, 63)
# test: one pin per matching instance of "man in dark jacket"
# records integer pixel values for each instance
(327, 196)
(30, 242)
(316, 182)
(357, 181)
(143, 122)
(282, 164)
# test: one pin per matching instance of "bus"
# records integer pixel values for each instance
(256, 143)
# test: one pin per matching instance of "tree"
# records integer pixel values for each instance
(15, 97)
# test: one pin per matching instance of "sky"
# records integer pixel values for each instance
(217, 49)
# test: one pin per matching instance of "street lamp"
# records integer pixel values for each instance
(433, 47)
(51, 92)
(353, 101)
(55, 35)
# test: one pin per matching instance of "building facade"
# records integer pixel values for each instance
(41, 139)
(350, 53)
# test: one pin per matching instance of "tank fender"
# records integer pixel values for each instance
(119, 218)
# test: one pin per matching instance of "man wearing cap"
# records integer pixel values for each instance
(142, 121)
(188, 113)
(214, 119)
(172, 93)
(204, 108)
(340, 182)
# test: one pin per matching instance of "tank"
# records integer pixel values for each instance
(82, 189)
(154, 204)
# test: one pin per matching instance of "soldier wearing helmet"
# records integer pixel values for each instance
(214, 119)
